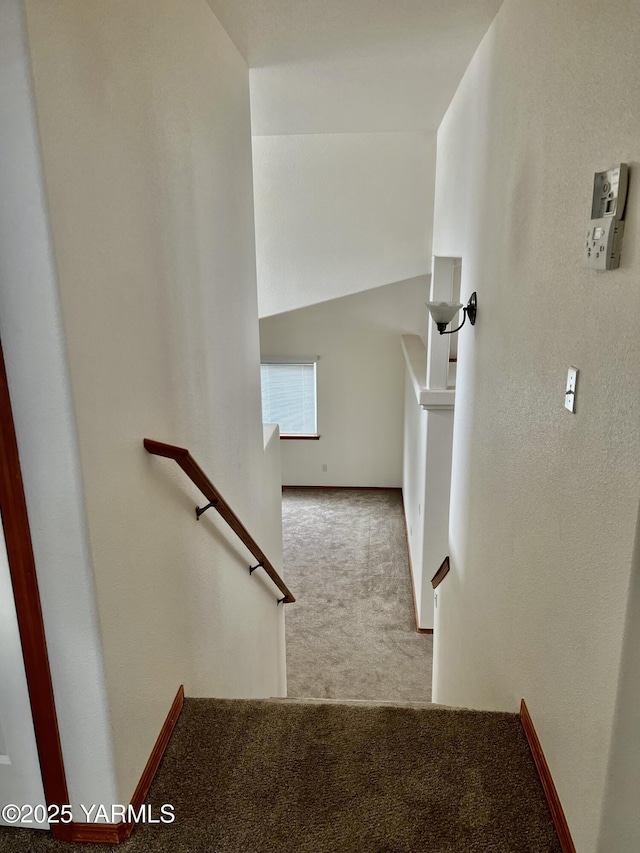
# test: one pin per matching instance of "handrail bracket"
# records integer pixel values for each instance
(259, 565)
(200, 510)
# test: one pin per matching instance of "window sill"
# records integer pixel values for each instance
(293, 437)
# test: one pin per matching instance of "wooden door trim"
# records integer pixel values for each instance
(27, 601)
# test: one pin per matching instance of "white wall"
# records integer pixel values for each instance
(620, 825)
(38, 375)
(360, 383)
(340, 213)
(426, 471)
(544, 503)
(143, 112)
(413, 485)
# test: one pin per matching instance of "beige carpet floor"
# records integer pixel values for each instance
(279, 777)
(351, 633)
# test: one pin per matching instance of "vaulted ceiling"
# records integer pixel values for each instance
(349, 66)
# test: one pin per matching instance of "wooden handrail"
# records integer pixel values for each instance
(441, 574)
(195, 473)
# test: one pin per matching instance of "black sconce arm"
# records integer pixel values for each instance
(442, 327)
(470, 310)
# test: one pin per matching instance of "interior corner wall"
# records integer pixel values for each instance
(143, 113)
(340, 213)
(543, 502)
(38, 377)
(360, 383)
(426, 481)
(413, 489)
(620, 825)
(271, 538)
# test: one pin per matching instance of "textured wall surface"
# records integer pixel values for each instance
(620, 825)
(340, 213)
(359, 379)
(544, 503)
(143, 112)
(38, 375)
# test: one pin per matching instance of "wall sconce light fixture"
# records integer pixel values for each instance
(444, 312)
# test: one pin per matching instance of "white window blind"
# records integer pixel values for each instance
(289, 396)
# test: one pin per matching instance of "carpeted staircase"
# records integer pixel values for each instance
(282, 776)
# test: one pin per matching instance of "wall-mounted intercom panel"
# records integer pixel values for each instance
(604, 237)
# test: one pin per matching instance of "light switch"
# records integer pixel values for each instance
(570, 394)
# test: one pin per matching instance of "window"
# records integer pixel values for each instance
(289, 394)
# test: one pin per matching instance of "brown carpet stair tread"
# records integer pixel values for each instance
(251, 776)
